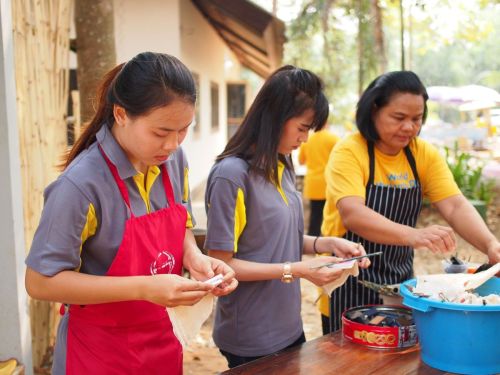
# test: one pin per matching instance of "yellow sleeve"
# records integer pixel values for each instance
(435, 176)
(302, 153)
(185, 186)
(240, 217)
(189, 221)
(89, 228)
(346, 174)
(185, 197)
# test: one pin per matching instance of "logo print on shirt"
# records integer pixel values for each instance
(164, 263)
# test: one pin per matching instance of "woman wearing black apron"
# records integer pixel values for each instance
(376, 180)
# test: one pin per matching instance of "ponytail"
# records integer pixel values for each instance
(103, 115)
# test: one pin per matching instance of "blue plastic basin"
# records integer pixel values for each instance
(459, 338)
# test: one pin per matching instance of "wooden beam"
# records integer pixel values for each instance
(274, 45)
(254, 35)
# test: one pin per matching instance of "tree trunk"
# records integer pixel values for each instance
(95, 47)
(379, 36)
(328, 52)
(361, 47)
(402, 34)
(410, 37)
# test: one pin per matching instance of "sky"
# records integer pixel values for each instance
(287, 9)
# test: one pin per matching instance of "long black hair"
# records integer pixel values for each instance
(379, 93)
(148, 81)
(287, 93)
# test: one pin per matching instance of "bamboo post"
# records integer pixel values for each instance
(41, 47)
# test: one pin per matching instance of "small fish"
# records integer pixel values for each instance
(388, 290)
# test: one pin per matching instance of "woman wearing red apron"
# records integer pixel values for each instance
(112, 240)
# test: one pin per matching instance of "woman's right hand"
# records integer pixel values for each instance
(437, 238)
(173, 290)
(318, 276)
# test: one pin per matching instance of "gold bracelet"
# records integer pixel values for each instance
(287, 276)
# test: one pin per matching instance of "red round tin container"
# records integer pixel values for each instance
(380, 326)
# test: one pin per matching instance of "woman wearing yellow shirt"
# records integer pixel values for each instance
(314, 154)
(375, 183)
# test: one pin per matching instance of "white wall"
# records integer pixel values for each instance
(146, 25)
(205, 53)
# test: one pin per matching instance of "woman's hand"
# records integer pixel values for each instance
(172, 290)
(342, 248)
(437, 238)
(202, 267)
(494, 252)
(318, 276)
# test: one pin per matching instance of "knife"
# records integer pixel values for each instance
(329, 264)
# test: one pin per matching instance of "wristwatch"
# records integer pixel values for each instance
(287, 276)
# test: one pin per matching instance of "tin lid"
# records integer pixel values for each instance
(380, 316)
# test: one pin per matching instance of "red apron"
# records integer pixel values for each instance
(132, 337)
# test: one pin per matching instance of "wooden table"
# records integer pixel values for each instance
(333, 354)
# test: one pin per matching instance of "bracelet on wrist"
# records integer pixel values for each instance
(287, 276)
(314, 245)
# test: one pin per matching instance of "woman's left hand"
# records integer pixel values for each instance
(202, 268)
(343, 248)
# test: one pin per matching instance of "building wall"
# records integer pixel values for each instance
(146, 25)
(206, 54)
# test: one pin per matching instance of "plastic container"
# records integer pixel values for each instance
(459, 338)
(454, 268)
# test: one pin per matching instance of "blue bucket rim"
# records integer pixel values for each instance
(403, 290)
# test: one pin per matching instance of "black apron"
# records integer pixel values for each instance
(395, 265)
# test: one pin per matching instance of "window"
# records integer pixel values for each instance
(197, 126)
(236, 100)
(214, 98)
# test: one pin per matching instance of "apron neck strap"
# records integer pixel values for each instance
(118, 180)
(412, 162)
(167, 185)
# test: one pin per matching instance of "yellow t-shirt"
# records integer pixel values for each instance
(348, 171)
(314, 154)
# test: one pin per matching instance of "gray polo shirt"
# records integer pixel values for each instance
(84, 215)
(259, 222)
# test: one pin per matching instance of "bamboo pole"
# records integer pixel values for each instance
(41, 48)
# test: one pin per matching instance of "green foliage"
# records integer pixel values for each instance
(467, 172)
(456, 43)
(323, 39)
(447, 42)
